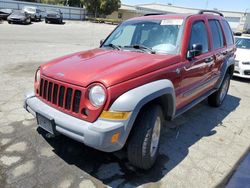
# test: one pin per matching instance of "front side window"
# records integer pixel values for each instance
(199, 36)
(161, 36)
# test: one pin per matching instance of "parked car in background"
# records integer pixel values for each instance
(54, 16)
(34, 12)
(19, 16)
(4, 13)
(242, 59)
(247, 31)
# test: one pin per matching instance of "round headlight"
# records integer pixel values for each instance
(97, 96)
(38, 76)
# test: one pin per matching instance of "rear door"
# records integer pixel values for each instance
(218, 47)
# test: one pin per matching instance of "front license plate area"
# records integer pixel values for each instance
(46, 124)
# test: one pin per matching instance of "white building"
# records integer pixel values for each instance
(238, 21)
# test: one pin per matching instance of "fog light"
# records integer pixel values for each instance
(115, 137)
(115, 115)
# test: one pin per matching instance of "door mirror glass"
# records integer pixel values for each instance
(195, 51)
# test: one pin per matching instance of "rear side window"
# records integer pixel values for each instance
(228, 32)
(199, 36)
(217, 35)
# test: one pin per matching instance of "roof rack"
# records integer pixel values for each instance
(154, 14)
(212, 11)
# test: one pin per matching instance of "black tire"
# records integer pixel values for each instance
(216, 99)
(46, 21)
(9, 22)
(28, 21)
(40, 18)
(139, 143)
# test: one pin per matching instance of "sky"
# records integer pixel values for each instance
(233, 5)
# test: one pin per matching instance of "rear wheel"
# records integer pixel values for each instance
(9, 22)
(143, 145)
(46, 21)
(217, 98)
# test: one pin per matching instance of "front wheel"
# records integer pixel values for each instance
(143, 145)
(217, 98)
(28, 21)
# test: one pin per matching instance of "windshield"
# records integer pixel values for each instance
(53, 11)
(19, 13)
(161, 36)
(243, 43)
(30, 9)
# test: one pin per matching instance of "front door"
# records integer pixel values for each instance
(195, 72)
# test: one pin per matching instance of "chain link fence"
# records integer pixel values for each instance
(69, 13)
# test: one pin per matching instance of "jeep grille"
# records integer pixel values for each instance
(67, 98)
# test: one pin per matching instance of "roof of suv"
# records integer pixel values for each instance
(171, 16)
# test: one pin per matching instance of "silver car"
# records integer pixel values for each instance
(34, 12)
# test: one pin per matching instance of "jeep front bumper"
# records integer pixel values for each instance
(97, 134)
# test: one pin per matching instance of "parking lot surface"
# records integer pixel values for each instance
(202, 151)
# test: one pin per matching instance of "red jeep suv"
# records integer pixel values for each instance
(148, 70)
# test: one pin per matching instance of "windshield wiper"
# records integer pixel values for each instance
(141, 47)
(114, 46)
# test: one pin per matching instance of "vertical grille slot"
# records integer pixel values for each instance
(41, 88)
(50, 91)
(68, 98)
(61, 95)
(55, 93)
(76, 101)
(45, 89)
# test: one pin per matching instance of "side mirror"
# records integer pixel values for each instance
(101, 41)
(195, 51)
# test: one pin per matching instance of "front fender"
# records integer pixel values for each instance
(135, 99)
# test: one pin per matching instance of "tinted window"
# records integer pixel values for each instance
(216, 33)
(199, 36)
(228, 32)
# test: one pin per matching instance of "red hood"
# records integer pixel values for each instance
(109, 67)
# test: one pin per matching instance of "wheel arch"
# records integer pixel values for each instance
(227, 67)
(159, 92)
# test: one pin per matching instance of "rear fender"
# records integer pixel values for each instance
(226, 64)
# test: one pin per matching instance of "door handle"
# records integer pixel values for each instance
(209, 59)
(224, 53)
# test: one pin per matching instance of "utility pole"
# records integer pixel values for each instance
(206, 4)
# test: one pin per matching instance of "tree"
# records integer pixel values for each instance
(109, 6)
(102, 7)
